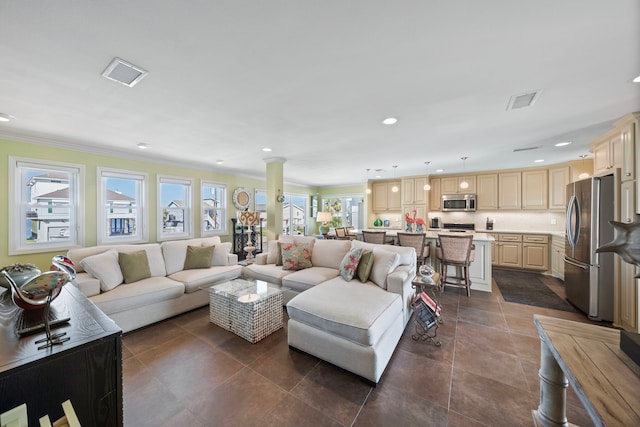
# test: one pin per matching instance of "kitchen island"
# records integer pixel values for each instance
(480, 269)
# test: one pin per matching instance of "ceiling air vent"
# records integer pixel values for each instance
(523, 100)
(124, 72)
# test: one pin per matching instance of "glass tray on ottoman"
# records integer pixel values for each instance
(249, 309)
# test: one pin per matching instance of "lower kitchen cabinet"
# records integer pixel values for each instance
(628, 297)
(526, 251)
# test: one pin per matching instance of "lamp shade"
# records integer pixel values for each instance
(323, 217)
(247, 218)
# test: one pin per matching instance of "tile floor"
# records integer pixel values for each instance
(187, 371)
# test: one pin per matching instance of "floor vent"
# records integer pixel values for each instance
(124, 72)
(523, 100)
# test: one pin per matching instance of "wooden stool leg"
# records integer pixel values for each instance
(467, 282)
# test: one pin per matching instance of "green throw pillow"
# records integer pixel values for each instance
(198, 257)
(365, 265)
(134, 266)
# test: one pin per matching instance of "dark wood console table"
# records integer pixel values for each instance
(589, 358)
(86, 370)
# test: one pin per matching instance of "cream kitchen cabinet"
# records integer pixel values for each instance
(384, 199)
(451, 184)
(628, 284)
(509, 190)
(435, 194)
(413, 191)
(557, 256)
(627, 134)
(608, 154)
(487, 192)
(535, 189)
(627, 201)
(510, 250)
(558, 179)
(535, 252)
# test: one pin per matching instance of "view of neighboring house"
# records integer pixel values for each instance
(210, 209)
(48, 212)
(121, 217)
(173, 217)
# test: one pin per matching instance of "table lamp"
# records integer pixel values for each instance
(249, 219)
(323, 217)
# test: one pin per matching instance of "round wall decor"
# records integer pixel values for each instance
(241, 198)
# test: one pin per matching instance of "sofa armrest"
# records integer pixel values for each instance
(232, 259)
(87, 284)
(399, 282)
(261, 258)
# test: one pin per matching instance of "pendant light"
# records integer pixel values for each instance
(366, 182)
(395, 188)
(427, 187)
(584, 174)
(464, 184)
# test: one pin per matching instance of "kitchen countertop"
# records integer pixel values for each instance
(433, 234)
(554, 233)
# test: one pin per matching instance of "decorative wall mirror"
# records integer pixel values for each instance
(241, 198)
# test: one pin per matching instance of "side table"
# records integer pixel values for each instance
(427, 310)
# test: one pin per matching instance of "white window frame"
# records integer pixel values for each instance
(188, 209)
(224, 209)
(142, 213)
(18, 206)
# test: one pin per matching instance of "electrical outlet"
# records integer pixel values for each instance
(553, 221)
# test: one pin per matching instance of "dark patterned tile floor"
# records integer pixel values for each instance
(187, 371)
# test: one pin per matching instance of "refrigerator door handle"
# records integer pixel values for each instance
(576, 264)
(573, 210)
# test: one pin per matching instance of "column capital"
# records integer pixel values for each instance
(274, 160)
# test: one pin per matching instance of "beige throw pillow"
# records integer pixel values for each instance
(105, 268)
(384, 262)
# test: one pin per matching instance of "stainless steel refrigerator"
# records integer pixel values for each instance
(588, 276)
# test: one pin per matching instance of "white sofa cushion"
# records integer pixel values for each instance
(329, 253)
(104, 267)
(407, 254)
(139, 294)
(174, 254)
(268, 272)
(302, 280)
(199, 278)
(384, 262)
(362, 313)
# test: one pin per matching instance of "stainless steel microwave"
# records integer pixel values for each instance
(458, 202)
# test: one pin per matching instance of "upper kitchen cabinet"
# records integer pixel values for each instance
(384, 198)
(558, 179)
(435, 194)
(535, 189)
(509, 190)
(487, 192)
(451, 184)
(608, 154)
(413, 191)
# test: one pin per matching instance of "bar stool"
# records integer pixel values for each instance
(416, 241)
(457, 251)
(378, 237)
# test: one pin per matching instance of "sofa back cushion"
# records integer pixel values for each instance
(407, 254)
(329, 253)
(174, 254)
(154, 256)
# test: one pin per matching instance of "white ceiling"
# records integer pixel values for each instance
(313, 80)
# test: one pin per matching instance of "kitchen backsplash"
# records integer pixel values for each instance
(508, 221)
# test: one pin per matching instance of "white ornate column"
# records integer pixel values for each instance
(553, 391)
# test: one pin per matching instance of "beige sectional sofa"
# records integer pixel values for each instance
(350, 324)
(170, 289)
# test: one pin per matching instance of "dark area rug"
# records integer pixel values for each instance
(528, 288)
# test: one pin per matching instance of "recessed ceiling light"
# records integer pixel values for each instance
(390, 121)
(562, 144)
(5, 117)
(439, 170)
(538, 161)
(219, 162)
(636, 80)
(267, 149)
(143, 146)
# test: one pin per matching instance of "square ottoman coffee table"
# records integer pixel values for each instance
(251, 309)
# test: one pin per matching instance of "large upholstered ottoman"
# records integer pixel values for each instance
(353, 325)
